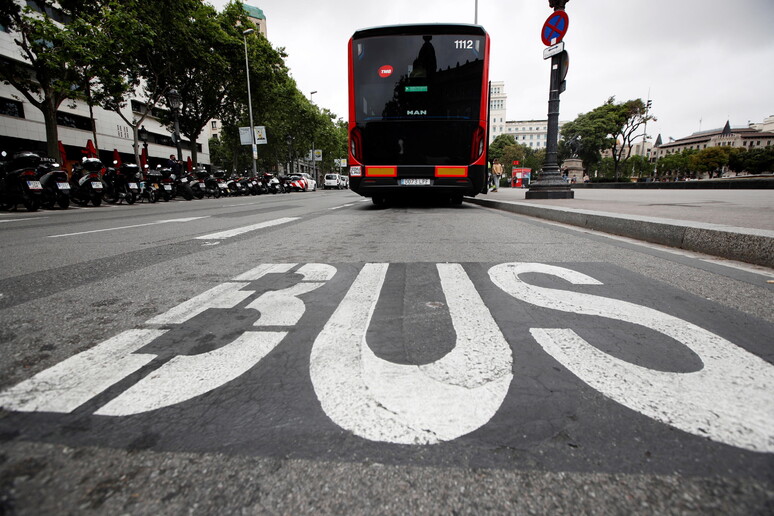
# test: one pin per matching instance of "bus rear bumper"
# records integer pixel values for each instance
(422, 184)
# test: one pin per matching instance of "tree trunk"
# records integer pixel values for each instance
(48, 108)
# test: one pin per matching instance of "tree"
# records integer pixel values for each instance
(132, 58)
(609, 126)
(52, 53)
(710, 161)
(754, 161)
(498, 144)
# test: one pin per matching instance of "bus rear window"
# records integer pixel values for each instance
(418, 77)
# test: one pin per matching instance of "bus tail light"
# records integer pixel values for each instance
(356, 143)
(381, 171)
(477, 145)
(451, 171)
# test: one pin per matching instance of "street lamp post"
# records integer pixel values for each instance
(173, 97)
(550, 184)
(250, 104)
(289, 141)
(314, 164)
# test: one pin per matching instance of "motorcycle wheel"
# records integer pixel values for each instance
(110, 196)
(31, 203)
(166, 197)
(130, 198)
(198, 193)
(63, 202)
(96, 200)
(216, 193)
(187, 193)
(152, 197)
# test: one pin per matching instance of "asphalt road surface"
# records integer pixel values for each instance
(312, 353)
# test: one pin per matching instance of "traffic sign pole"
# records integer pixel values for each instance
(550, 184)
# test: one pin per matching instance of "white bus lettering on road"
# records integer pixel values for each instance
(730, 400)
(408, 404)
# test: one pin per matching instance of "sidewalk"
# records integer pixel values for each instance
(734, 224)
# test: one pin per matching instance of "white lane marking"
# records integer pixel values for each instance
(238, 231)
(342, 206)
(238, 205)
(729, 400)
(19, 220)
(185, 377)
(187, 219)
(407, 404)
(74, 381)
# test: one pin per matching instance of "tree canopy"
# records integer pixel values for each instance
(611, 126)
(110, 52)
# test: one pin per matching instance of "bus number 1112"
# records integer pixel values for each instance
(463, 44)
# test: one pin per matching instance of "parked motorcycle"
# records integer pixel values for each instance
(211, 186)
(86, 184)
(189, 182)
(122, 184)
(167, 188)
(19, 182)
(151, 185)
(56, 184)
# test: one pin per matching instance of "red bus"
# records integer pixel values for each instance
(418, 104)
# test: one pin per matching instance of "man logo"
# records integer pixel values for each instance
(416, 112)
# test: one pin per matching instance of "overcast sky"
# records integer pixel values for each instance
(703, 62)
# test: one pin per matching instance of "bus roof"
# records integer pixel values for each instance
(427, 28)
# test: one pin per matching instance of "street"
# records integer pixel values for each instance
(314, 353)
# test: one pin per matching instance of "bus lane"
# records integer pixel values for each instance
(572, 366)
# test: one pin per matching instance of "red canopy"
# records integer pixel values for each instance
(116, 158)
(62, 153)
(91, 150)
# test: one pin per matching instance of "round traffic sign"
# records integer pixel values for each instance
(555, 28)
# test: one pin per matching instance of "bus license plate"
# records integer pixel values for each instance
(415, 182)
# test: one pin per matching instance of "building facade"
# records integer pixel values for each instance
(531, 133)
(753, 136)
(22, 126)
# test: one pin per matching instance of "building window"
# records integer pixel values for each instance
(74, 121)
(10, 107)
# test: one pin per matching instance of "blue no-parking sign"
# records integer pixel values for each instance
(555, 28)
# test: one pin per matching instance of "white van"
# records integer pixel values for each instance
(332, 181)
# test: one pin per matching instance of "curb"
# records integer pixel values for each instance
(742, 244)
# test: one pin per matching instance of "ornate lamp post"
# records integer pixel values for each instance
(289, 141)
(314, 164)
(550, 184)
(173, 97)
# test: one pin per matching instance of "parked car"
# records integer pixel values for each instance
(332, 181)
(311, 184)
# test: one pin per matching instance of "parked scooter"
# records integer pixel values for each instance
(189, 186)
(19, 182)
(122, 184)
(56, 185)
(86, 183)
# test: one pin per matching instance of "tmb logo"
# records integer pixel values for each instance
(385, 71)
